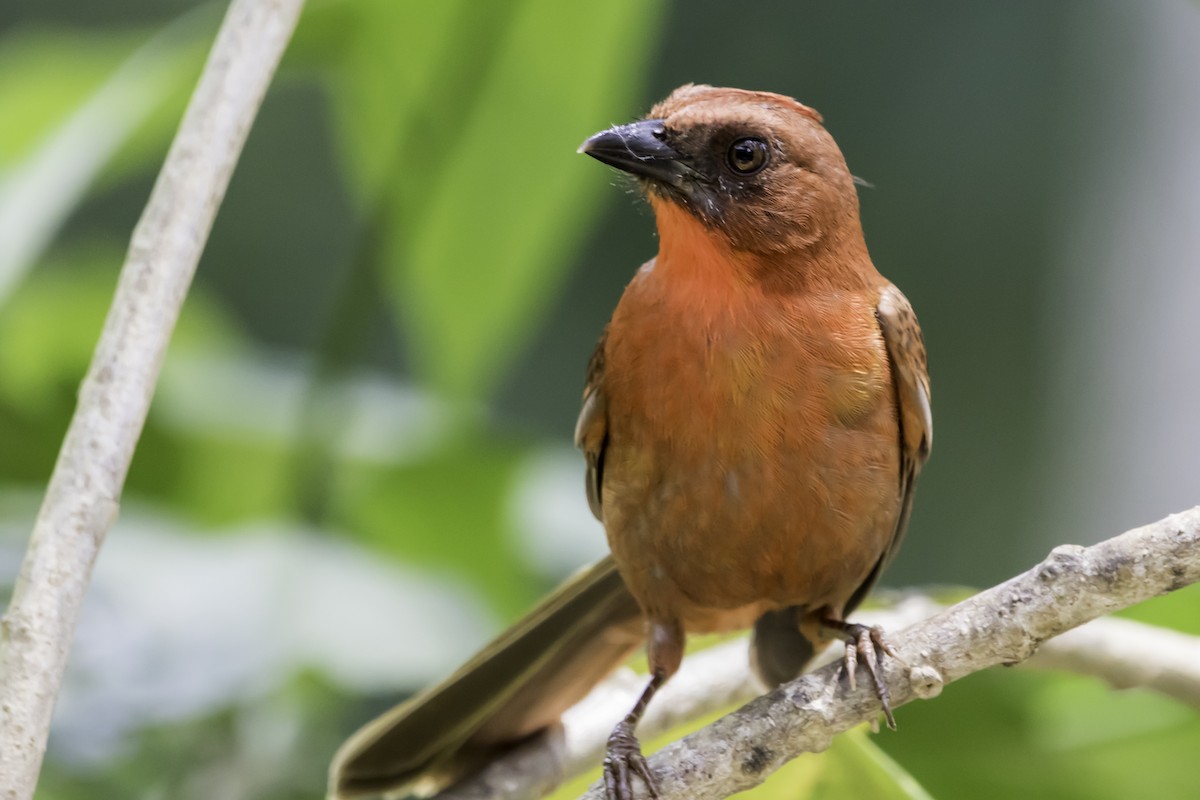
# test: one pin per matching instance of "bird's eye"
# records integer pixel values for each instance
(747, 156)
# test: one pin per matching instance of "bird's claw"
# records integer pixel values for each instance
(867, 644)
(623, 759)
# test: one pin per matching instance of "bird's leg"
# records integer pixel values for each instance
(867, 644)
(623, 758)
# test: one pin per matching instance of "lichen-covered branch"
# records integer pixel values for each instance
(1003, 625)
(84, 492)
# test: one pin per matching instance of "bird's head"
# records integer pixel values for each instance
(758, 167)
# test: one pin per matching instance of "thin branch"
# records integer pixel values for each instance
(82, 498)
(1124, 654)
(1003, 625)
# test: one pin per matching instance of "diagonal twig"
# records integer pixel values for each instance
(84, 492)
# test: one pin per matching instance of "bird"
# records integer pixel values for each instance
(754, 420)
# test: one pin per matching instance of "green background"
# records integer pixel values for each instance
(358, 465)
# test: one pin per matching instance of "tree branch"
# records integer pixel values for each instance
(82, 498)
(1003, 625)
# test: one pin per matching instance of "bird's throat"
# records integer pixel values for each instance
(696, 260)
(701, 263)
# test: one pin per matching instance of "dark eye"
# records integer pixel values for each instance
(747, 156)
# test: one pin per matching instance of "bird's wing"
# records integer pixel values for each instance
(910, 377)
(591, 430)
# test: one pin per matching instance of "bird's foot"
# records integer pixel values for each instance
(622, 761)
(866, 643)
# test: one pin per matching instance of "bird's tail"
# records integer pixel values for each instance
(780, 651)
(517, 685)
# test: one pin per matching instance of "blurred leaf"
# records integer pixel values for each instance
(385, 63)
(214, 480)
(1101, 743)
(462, 119)
(444, 511)
(1014, 732)
(46, 75)
(795, 780)
(855, 767)
(271, 748)
(973, 740)
(77, 108)
(48, 331)
(1073, 713)
(1147, 764)
(184, 46)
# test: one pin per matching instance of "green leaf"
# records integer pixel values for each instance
(213, 480)
(48, 331)
(855, 767)
(1076, 713)
(1018, 732)
(384, 64)
(462, 120)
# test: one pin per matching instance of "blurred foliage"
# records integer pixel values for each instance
(430, 99)
(353, 396)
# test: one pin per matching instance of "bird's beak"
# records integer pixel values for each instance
(640, 149)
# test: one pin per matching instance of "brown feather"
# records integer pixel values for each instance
(517, 685)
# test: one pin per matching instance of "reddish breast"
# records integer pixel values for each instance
(743, 422)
